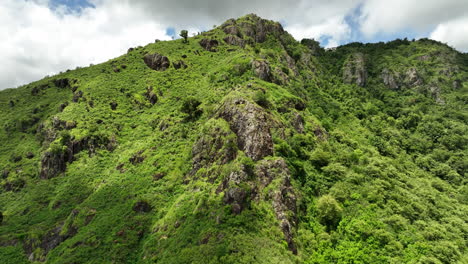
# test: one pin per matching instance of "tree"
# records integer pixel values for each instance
(184, 34)
(329, 211)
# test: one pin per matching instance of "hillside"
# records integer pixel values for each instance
(240, 145)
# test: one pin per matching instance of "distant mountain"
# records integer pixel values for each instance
(241, 145)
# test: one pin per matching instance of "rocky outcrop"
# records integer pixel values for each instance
(391, 79)
(283, 198)
(157, 62)
(251, 124)
(54, 160)
(298, 123)
(216, 145)
(354, 70)
(412, 78)
(53, 163)
(261, 69)
(435, 92)
(209, 44)
(234, 40)
(252, 28)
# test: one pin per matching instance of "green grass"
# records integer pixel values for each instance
(394, 161)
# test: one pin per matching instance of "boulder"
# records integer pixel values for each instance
(209, 44)
(142, 207)
(261, 69)
(354, 70)
(157, 61)
(251, 124)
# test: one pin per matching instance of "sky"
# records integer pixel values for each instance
(45, 37)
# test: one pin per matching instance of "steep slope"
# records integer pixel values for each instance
(240, 146)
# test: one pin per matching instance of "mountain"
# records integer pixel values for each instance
(240, 145)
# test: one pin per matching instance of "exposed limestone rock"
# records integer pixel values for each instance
(457, 84)
(232, 30)
(234, 40)
(298, 123)
(354, 70)
(157, 61)
(262, 69)
(236, 197)
(283, 198)
(251, 124)
(253, 28)
(435, 92)
(412, 78)
(216, 145)
(209, 44)
(279, 77)
(53, 163)
(391, 79)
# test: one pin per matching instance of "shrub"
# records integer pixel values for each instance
(329, 211)
(190, 107)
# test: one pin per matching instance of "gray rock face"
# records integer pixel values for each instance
(283, 198)
(435, 92)
(354, 70)
(412, 78)
(251, 124)
(391, 79)
(457, 84)
(209, 44)
(261, 69)
(216, 145)
(157, 62)
(253, 27)
(53, 163)
(234, 40)
(298, 123)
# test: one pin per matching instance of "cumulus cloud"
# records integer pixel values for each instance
(38, 41)
(416, 15)
(453, 32)
(41, 37)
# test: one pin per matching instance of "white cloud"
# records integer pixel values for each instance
(335, 28)
(415, 15)
(37, 41)
(453, 32)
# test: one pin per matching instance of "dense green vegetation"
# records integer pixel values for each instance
(250, 147)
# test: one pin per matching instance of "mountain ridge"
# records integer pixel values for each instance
(240, 145)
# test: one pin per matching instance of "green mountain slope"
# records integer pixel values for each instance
(240, 145)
